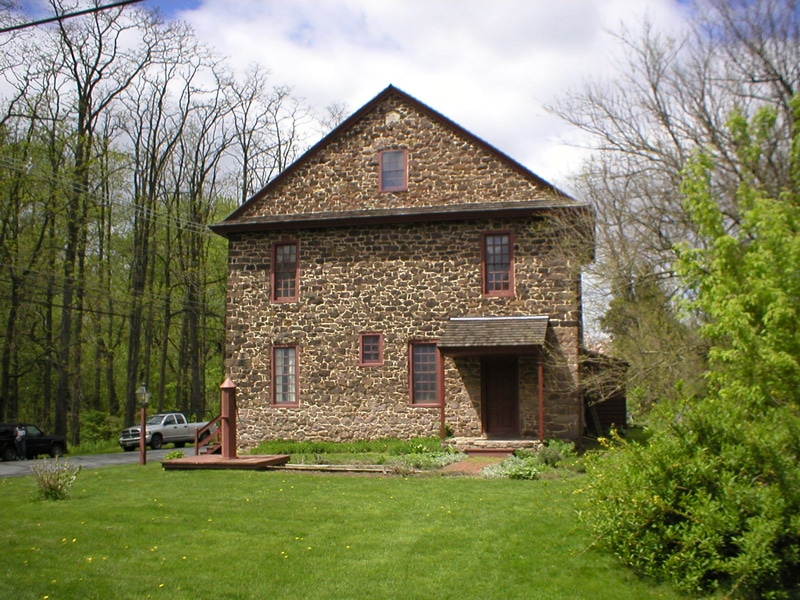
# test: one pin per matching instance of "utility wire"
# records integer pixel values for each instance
(77, 13)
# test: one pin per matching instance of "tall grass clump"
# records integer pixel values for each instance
(54, 478)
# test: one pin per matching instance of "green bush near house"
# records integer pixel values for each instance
(712, 502)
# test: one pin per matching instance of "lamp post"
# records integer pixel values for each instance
(143, 396)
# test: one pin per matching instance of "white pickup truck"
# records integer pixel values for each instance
(160, 429)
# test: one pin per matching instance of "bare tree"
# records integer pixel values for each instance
(121, 138)
(671, 97)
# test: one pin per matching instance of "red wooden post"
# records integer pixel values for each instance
(228, 418)
(142, 435)
(541, 401)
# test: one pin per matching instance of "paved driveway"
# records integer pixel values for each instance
(22, 467)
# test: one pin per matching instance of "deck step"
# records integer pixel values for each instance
(485, 447)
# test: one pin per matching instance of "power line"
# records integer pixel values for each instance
(77, 13)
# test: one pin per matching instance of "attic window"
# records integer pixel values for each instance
(394, 170)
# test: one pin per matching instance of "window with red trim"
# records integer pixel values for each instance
(394, 170)
(498, 264)
(284, 375)
(371, 349)
(425, 376)
(285, 269)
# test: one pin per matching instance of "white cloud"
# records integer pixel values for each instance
(489, 66)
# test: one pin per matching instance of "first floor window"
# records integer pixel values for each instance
(371, 349)
(284, 375)
(425, 374)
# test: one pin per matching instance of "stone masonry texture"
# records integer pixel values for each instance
(402, 281)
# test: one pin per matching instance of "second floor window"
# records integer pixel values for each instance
(498, 264)
(393, 171)
(284, 272)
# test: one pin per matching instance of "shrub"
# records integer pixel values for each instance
(391, 446)
(173, 455)
(54, 478)
(713, 501)
(554, 452)
(98, 426)
(514, 467)
(425, 460)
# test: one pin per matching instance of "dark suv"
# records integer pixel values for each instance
(36, 442)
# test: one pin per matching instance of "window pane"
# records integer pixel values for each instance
(424, 374)
(285, 271)
(498, 262)
(285, 375)
(370, 349)
(393, 170)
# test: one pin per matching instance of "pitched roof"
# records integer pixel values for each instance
(465, 334)
(240, 214)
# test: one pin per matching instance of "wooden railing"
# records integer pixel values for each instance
(208, 435)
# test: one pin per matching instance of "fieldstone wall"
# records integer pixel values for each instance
(403, 282)
(444, 168)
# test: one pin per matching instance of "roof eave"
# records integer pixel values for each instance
(462, 212)
(489, 351)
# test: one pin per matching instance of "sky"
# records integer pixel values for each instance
(492, 66)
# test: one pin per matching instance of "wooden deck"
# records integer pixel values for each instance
(216, 461)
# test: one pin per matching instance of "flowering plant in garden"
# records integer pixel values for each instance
(54, 477)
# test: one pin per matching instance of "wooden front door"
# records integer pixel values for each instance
(500, 392)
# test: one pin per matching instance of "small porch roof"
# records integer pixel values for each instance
(487, 336)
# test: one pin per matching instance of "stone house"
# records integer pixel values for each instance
(405, 278)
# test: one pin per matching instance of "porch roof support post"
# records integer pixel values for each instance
(228, 418)
(440, 369)
(541, 400)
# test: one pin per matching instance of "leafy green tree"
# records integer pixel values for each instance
(713, 501)
(669, 97)
(747, 278)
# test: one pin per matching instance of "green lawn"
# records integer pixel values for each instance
(141, 532)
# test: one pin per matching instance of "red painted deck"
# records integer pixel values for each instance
(216, 461)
